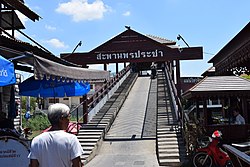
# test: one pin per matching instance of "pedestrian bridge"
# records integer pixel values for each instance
(134, 123)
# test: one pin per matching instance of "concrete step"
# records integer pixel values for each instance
(166, 139)
(88, 126)
(169, 155)
(88, 140)
(84, 131)
(170, 162)
(88, 148)
(170, 142)
(172, 150)
(101, 118)
(102, 122)
(168, 134)
(89, 136)
(88, 144)
(174, 146)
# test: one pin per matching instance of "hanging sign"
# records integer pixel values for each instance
(7, 72)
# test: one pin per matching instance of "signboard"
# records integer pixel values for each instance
(13, 152)
(7, 72)
(191, 80)
(129, 55)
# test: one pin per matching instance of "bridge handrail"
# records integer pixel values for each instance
(176, 103)
(92, 101)
(173, 93)
(106, 87)
(238, 157)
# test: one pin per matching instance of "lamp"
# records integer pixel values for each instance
(179, 37)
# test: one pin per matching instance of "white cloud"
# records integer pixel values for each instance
(56, 43)
(50, 28)
(82, 10)
(127, 13)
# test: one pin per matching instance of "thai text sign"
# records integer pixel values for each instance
(13, 153)
(130, 55)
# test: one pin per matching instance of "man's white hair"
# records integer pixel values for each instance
(56, 111)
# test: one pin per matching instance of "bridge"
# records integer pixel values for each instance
(134, 120)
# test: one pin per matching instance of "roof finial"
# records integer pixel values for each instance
(128, 27)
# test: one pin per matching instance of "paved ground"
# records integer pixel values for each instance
(124, 146)
(136, 153)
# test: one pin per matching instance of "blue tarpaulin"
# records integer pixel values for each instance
(52, 88)
(7, 72)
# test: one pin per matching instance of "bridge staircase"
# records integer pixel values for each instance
(91, 134)
(170, 146)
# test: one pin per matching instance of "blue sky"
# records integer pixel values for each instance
(207, 23)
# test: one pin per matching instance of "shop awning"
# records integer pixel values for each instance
(51, 66)
(44, 67)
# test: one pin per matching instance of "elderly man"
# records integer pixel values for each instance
(56, 147)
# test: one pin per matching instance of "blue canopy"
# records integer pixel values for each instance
(7, 72)
(52, 88)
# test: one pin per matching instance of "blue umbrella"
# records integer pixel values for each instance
(7, 72)
(52, 88)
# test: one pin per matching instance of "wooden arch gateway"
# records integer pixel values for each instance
(133, 47)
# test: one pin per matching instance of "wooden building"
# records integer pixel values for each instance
(225, 85)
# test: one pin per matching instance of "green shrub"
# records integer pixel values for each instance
(37, 122)
(246, 77)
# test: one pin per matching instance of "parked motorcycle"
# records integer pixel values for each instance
(209, 154)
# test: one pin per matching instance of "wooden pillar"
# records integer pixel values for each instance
(244, 109)
(172, 70)
(105, 67)
(116, 68)
(222, 109)
(12, 23)
(197, 109)
(85, 109)
(178, 77)
(204, 101)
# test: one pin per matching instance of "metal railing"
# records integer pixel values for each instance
(239, 158)
(176, 103)
(90, 102)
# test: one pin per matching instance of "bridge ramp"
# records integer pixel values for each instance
(91, 134)
(124, 144)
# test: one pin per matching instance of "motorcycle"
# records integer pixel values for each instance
(209, 153)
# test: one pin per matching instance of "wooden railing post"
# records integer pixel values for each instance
(85, 109)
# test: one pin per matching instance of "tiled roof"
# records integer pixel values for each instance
(161, 40)
(219, 86)
(209, 72)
